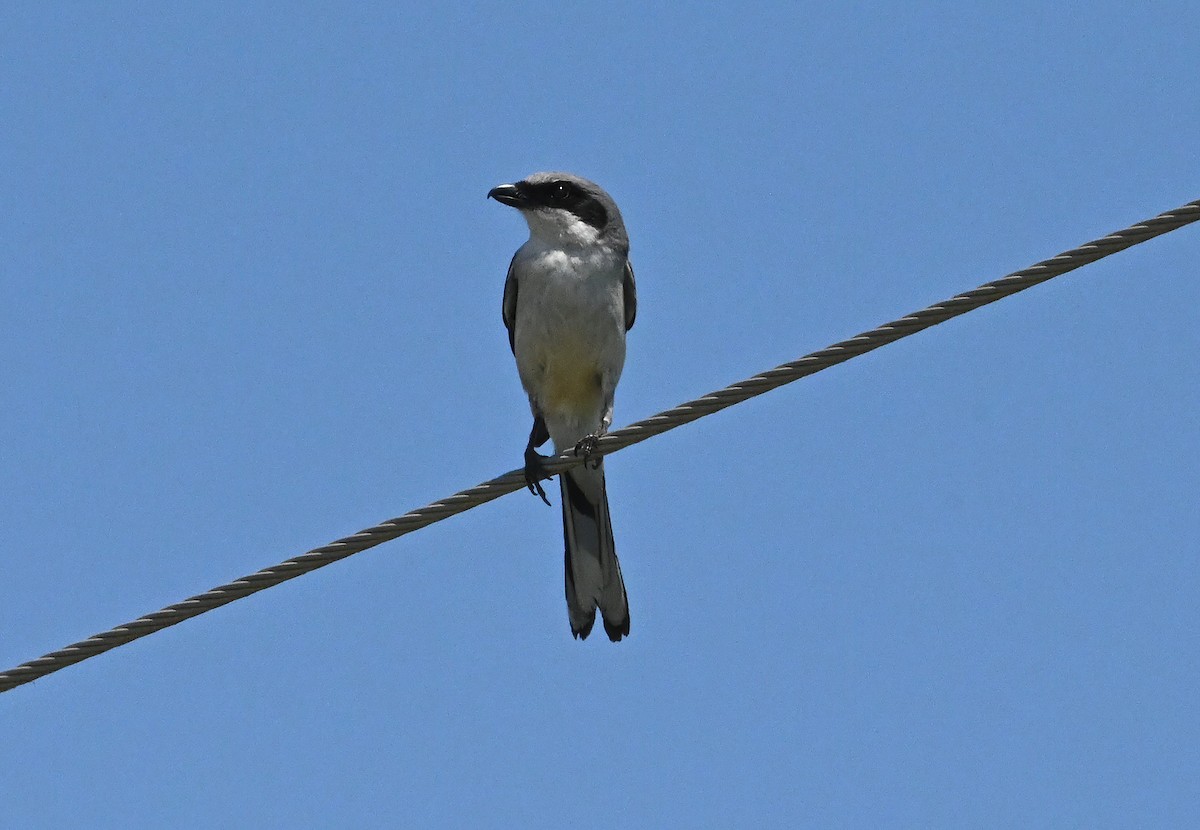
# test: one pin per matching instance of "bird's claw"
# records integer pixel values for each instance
(586, 447)
(535, 473)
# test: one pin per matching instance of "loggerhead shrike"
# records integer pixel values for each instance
(568, 301)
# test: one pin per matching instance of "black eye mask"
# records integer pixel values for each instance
(566, 196)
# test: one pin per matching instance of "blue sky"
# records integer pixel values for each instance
(252, 303)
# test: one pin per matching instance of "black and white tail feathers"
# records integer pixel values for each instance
(593, 574)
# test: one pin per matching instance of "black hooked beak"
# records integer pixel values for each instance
(507, 194)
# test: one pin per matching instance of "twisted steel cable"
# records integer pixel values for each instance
(616, 440)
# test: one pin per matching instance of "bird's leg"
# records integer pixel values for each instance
(587, 446)
(535, 473)
(535, 470)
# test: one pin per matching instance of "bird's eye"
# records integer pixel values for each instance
(560, 191)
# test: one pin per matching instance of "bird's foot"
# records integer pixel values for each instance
(535, 473)
(586, 447)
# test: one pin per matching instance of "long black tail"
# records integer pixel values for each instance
(593, 574)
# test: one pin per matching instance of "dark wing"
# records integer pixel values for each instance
(509, 307)
(628, 289)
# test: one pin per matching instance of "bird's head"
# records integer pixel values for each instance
(564, 209)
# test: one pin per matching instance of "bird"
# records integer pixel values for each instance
(569, 300)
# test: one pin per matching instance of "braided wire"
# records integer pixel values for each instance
(618, 439)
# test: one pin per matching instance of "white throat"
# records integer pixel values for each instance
(554, 228)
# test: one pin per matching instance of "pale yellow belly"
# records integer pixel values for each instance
(570, 378)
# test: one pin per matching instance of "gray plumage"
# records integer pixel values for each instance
(569, 299)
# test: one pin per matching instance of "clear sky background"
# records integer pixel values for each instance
(250, 302)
